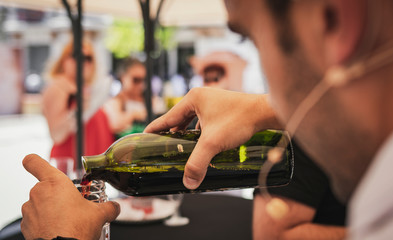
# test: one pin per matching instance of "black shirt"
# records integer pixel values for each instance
(310, 186)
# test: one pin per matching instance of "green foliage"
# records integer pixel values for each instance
(164, 36)
(126, 36)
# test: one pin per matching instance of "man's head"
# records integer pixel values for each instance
(298, 41)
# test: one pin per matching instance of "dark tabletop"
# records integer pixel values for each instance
(211, 217)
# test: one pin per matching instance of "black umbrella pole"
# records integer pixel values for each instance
(78, 38)
(77, 31)
(149, 26)
(149, 70)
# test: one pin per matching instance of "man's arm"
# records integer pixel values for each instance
(227, 119)
(296, 224)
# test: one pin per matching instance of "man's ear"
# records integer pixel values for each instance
(344, 26)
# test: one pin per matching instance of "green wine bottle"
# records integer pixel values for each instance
(153, 164)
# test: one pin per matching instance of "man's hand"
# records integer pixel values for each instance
(296, 224)
(227, 119)
(56, 207)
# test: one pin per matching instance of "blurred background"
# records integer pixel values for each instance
(193, 48)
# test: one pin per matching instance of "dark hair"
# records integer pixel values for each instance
(280, 11)
(126, 64)
(279, 8)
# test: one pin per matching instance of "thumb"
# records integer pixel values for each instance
(110, 210)
(196, 167)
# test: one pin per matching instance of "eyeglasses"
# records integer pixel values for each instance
(138, 80)
(213, 74)
(88, 58)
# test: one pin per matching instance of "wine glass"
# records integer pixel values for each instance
(64, 164)
(176, 219)
(95, 192)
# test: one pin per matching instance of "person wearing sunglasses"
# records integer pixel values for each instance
(59, 105)
(126, 111)
(220, 69)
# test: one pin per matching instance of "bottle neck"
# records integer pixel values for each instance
(95, 161)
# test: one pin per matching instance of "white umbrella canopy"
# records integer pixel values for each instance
(173, 12)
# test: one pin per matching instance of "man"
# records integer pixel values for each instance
(298, 42)
(345, 129)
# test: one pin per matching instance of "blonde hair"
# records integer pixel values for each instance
(56, 68)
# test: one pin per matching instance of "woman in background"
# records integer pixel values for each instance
(59, 106)
(126, 111)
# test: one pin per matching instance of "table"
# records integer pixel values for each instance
(211, 216)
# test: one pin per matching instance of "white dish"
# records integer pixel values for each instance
(161, 209)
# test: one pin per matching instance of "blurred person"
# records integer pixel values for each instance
(128, 106)
(127, 111)
(11, 90)
(220, 69)
(341, 47)
(59, 105)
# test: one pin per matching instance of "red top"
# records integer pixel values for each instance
(97, 134)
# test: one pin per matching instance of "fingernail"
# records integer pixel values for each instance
(190, 183)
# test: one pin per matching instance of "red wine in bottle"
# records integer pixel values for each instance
(153, 164)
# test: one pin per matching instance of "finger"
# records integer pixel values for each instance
(182, 126)
(159, 124)
(26, 223)
(198, 125)
(110, 210)
(40, 168)
(181, 114)
(22, 225)
(24, 229)
(197, 164)
(25, 208)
